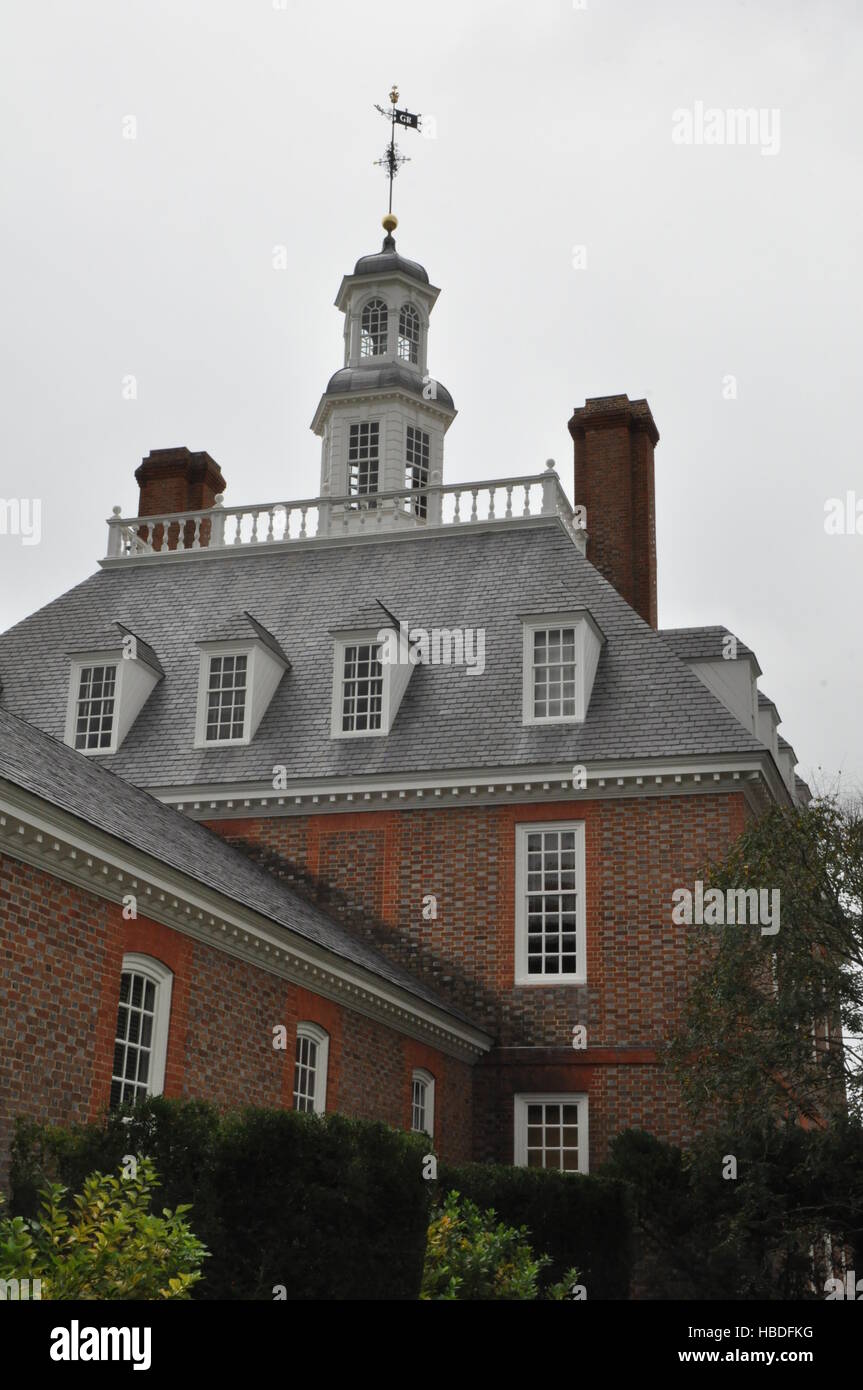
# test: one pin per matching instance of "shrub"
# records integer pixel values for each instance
(472, 1255)
(575, 1219)
(103, 1243)
(319, 1206)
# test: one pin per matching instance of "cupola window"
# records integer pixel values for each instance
(417, 468)
(373, 329)
(409, 334)
(363, 458)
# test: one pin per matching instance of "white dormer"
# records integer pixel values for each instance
(786, 759)
(768, 723)
(239, 673)
(108, 687)
(560, 655)
(734, 682)
(368, 684)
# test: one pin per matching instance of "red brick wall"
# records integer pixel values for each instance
(61, 950)
(637, 853)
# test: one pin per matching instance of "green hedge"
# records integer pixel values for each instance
(325, 1206)
(577, 1220)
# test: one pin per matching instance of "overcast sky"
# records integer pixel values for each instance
(553, 129)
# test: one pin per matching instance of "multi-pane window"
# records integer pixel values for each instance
(550, 1132)
(422, 1102)
(310, 1068)
(554, 673)
(226, 697)
(550, 908)
(141, 1034)
(362, 687)
(363, 458)
(373, 329)
(417, 468)
(409, 334)
(94, 708)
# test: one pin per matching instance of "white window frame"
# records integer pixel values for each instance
(521, 1103)
(79, 665)
(163, 979)
(377, 298)
(532, 626)
(408, 306)
(207, 653)
(316, 1034)
(341, 642)
(369, 494)
(420, 1075)
(522, 830)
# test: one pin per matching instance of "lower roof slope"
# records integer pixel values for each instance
(37, 763)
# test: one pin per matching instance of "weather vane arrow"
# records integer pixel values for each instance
(393, 159)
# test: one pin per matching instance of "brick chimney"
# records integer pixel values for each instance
(614, 439)
(176, 480)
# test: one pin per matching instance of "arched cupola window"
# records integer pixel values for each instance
(373, 329)
(409, 334)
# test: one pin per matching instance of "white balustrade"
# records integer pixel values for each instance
(497, 502)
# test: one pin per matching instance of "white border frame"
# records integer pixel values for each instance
(341, 641)
(163, 978)
(520, 1104)
(317, 1034)
(522, 830)
(421, 1074)
(79, 663)
(235, 647)
(543, 624)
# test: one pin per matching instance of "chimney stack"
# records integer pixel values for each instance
(176, 480)
(614, 439)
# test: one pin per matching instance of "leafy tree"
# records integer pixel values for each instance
(771, 1226)
(103, 1243)
(761, 1030)
(472, 1255)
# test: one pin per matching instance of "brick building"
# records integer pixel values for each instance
(376, 801)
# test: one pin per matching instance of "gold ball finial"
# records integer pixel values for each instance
(394, 94)
(389, 222)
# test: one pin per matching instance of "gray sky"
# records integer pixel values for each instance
(256, 128)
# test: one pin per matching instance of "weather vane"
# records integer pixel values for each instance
(393, 159)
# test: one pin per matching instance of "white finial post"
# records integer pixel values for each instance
(217, 528)
(115, 533)
(549, 489)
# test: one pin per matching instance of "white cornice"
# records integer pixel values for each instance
(754, 774)
(38, 833)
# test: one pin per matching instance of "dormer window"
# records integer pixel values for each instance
(226, 698)
(561, 653)
(368, 686)
(373, 329)
(108, 688)
(362, 688)
(363, 458)
(94, 708)
(409, 334)
(238, 677)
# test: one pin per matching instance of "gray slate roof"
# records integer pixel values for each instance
(33, 761)
(702, 643)
(645, 704)
(350, 380)
(389, 259)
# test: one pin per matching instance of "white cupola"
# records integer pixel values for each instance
(382, 418)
